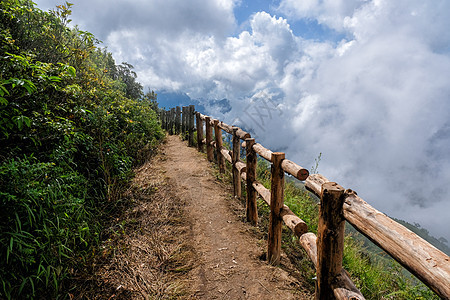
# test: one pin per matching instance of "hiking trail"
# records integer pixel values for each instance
(206, 250)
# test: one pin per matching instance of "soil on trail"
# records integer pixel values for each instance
(228, 265)
(185, 239)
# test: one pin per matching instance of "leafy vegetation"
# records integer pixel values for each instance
(72, 126)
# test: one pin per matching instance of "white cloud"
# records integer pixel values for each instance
(328, 12)
(377, 105)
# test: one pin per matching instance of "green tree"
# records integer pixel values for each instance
(71, 130)
(125, 74)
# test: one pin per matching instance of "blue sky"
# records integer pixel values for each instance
(364, 82)
(306, 28)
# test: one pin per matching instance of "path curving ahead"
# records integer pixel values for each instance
(228, 264)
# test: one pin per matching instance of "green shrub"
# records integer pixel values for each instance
(72, 126)
(46, 225)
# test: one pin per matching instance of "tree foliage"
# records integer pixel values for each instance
(72, 126)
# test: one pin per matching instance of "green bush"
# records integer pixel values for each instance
(45, 225)
(73, 124)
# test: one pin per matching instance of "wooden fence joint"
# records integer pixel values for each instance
(209, 135)
(252, 210)
(276, 206)
(191, 126)
(199, 131)
(219, 143)
(330, 239)
(235, 159)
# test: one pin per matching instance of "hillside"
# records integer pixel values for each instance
(73, 125)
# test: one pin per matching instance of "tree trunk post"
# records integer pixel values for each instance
(235, 159)
(199, 132)
(166, 126)
(172, 120)
(178, 120)
(168, 122)
(252, 210)
(209, 147)
(183, 122)
(276, 205)
(330, 239)
(219, 143)
(191, 111)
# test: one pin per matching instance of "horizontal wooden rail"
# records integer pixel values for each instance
(292, 221)
(240, 165)
(288, 166)
(226, 154)
(226, 127)
(295, 170)
(263, 152)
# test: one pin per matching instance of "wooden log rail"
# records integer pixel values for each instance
(337, 205)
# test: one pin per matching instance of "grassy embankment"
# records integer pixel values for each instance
(73, 124)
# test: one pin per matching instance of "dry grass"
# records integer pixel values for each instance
(147, 251)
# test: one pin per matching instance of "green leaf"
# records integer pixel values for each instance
(55, 78)
(3, 90)
(21, 120)
(3, 101)
(29, 86)
(10, 249)
(71, 70)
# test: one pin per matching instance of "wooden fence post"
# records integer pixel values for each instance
(276, 204)
(252, 210)
(183, 122)
(209, 147)
(235, 159)
(219, 143)
(177, 120)
(166, 118)
(191, 110)
(330, 239)
(199, 132)
(172, 120)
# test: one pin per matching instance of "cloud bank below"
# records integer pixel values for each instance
(376, 104)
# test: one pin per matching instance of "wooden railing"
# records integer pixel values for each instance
(337, 205)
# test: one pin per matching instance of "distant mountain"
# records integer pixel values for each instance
(170, 99)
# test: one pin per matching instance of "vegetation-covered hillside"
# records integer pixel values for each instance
(72, 126)
(373, 271)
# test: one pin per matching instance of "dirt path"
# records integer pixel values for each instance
(228, 264)
(183, 237)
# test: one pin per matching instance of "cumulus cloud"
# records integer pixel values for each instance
(379, 103)
(328, 12)
(376, 104)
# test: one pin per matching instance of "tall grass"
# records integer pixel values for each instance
(46, 226)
